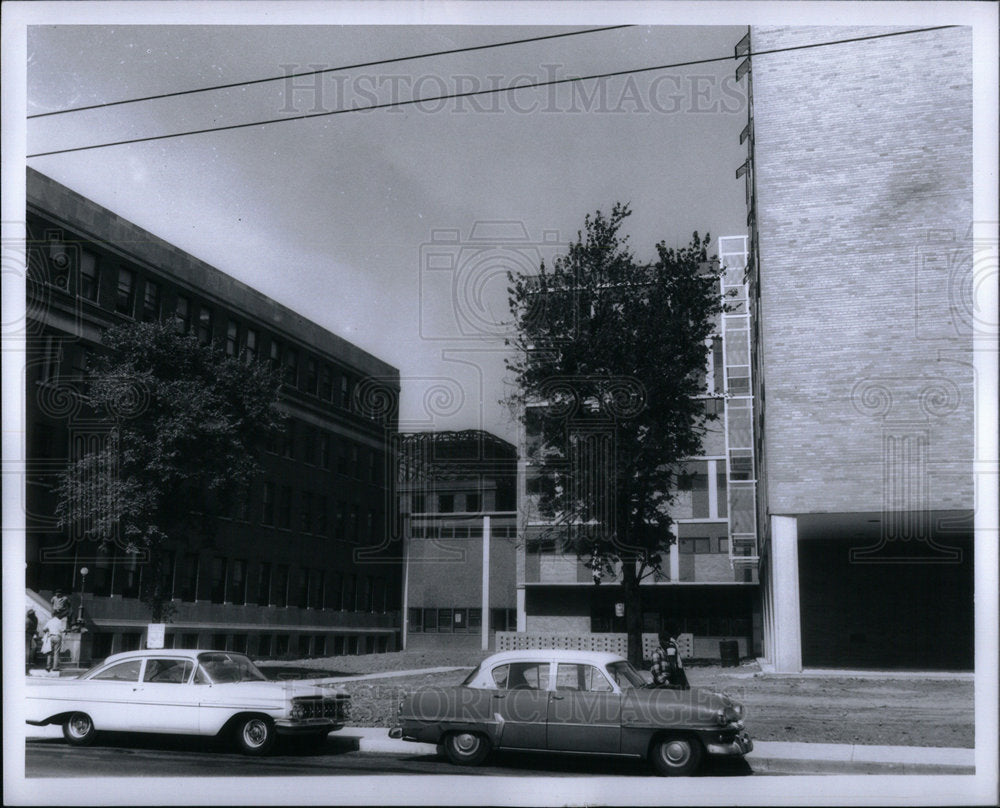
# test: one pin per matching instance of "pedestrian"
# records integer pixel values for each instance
(52, 637)
(30, 629)
(60, 604)
(667, 668)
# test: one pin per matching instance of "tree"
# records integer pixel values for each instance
(186, 424)
(610, 355)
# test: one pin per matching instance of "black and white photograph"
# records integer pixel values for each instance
(500, 403)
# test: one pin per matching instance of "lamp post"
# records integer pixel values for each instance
(83, 584)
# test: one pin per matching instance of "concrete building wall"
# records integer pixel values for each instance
(864, 202)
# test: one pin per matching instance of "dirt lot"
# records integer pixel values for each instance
(830, 709)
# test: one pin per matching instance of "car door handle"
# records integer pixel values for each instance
(499, 695)
(557, 698)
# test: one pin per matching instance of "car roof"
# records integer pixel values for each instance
(601, 658)
(160, 653)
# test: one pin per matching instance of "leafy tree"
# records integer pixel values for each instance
(610, 355)
(186, 425)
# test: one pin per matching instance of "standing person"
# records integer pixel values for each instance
(60, 604)
(667, 668)
(30, 629)
(52, 636)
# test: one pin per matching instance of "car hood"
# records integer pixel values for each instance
(662, 705)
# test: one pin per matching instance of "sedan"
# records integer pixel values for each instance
(572, 701)
(185, 692)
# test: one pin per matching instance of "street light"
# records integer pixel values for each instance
(83, 584)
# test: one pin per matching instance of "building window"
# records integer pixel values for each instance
(285, 507)
(350, 592)
(370, 526)
(267, 504)
(182, 315)
(309, 446)
(718, 368)
(324, 451)
(264, 584)
(306, 513)
(322, 518)
(341, 457)
(288, 446)
(238, 581)
(151, 302)
(291, 367)
(446, 503)
(311, 376)
(445, 620)
(472, 504)
(503, 619)
(334, 592)
(722, 494)
(218, 580)
(355, 464)
(232, 331)
(125, 301)
(89, 276)
(372, 466)
(352, 526)
(475, 619)
(188, 584)
(302, 601)
(205, 326)
(316, 589)
(414, 620)
(430, 619)
(345, 392)
(339, 526)
(741, 465)
(275, 354)
(325, 383)
(281, 585)
(723, 544)
(250, 345)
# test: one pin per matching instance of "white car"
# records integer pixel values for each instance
(186, 692)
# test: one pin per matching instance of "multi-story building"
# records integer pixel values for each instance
(708, 587)
(458, 502)
(303, 566)
(859, 184)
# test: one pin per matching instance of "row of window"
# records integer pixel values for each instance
(459, 532)
(458, 621)
(191, 577)
(699, 545)
(308, 512)
(259, 646)
(316, 447)
(76, 270)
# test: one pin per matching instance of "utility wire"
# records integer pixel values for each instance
(490, 91)
(327, 70)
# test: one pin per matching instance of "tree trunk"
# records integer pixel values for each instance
(633, 611)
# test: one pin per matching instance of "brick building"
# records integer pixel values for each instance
(297, 569)
(859, 183)
(458, 501)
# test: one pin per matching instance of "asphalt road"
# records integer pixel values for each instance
(125, 755)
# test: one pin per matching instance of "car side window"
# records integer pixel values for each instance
(127, 671)
(574, 676)
(167, 671)
(527, 676)
(499, 675)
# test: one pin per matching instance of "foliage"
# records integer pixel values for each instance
(610, 356)
(185, 427)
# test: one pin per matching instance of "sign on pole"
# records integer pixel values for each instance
(155, 635)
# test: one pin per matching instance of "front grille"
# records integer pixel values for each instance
(337, 708)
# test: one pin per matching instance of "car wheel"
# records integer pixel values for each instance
(466, 748)
(79, 730)
(676, 756)
(255, 734)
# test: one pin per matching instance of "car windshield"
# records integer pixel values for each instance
(625, 675)
(471, 676)
(220, 668)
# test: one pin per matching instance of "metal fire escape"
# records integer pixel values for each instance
(739, 417)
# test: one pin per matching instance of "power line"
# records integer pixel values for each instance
(250, 82)
(490, 91)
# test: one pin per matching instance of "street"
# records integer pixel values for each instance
(128, 755)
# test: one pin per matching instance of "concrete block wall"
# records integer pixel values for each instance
(863, 166)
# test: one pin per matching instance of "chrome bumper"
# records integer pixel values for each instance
(740, 745)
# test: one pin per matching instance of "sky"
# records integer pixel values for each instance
(394, 228)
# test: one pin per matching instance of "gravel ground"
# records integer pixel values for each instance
(828, 709)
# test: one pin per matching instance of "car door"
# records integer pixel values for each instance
(585, 712)
(521, 703)
(109, 695)
(165, 698)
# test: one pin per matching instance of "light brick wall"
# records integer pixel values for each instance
(864, 189)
